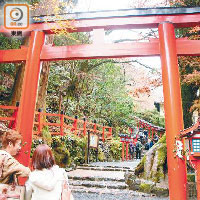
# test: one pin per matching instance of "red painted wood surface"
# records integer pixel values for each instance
(128, 22)
(105, 132)
(29, 93)
(92, 51)
(11, 120)
(173, 110)
(195, 162)
(74, 126)
(122, 151)
(127, 144)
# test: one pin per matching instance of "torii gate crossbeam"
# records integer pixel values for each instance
(167, 46)
(90, 51)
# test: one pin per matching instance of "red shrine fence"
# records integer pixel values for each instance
(58, 124)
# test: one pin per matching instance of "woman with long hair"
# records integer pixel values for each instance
(46, 180)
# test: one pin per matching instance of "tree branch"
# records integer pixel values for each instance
(123, 62)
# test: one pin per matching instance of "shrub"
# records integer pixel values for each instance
(116, 149)
(76, 147)
(71, 149)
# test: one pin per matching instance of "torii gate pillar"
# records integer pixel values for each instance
(29, 93)
(173, 109)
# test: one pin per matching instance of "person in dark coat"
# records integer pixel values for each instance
(138, 148)
(131, 150)
(151, 144)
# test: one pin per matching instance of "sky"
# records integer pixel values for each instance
(95, 5)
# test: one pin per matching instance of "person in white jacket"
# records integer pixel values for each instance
(46, 180)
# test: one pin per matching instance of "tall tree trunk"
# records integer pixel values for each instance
(60, 103)
(17, 88)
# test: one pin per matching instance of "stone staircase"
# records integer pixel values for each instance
(105, 168)
(101, 178)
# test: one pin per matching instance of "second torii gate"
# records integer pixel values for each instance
(167, 46)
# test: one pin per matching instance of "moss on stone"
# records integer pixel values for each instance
(191, 178)
(162, 139)
(164, 192)
(139, 170)
(144, 187)
(162, 156)
(101, 156)
(150, 188)
(62, 156)
(130, 179)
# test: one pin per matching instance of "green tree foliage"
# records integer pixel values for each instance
(71, 149)
(8, 71)
(152, 117)
(94, 89)
(185, 3)
(189, 69)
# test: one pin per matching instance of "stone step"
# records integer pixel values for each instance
(91, 178)
(99, 191)
(106, 168)
(87, 174)
(99, 184)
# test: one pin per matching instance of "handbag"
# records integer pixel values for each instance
(12, 191)
(66, 192)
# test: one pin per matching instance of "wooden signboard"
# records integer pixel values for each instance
(94, 140)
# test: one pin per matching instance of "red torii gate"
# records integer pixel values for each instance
(167, 46)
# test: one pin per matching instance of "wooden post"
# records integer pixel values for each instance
(75, 125)
(95, 126)
(195, 163)
(173, 110)
(197, 171)
(40, 121)
(103, 134)
(88, 148)
(13, 124)
(110, 132)
(84, 127)
(122, 151)
(62, 123)
(126, 151)
(26, 112)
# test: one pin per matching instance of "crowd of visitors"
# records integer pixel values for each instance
(141, 141)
